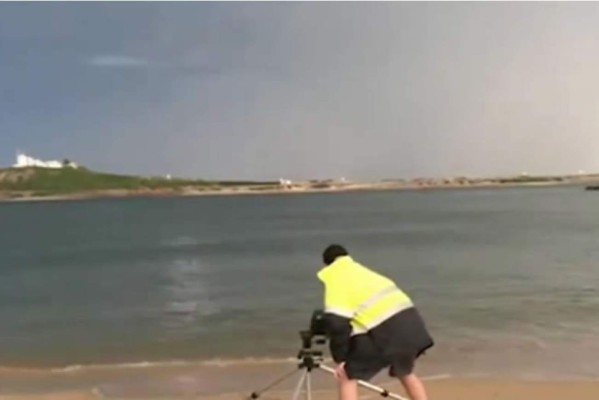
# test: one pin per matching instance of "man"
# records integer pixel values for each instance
(371, 325)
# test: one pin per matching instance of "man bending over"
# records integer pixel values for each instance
(371, 325)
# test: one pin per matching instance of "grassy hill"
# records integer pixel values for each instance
(49, 182)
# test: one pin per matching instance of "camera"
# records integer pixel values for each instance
(317, 332)
(318, 323)
(314, 359)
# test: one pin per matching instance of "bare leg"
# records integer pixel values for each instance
(348, 389)
(413, 386)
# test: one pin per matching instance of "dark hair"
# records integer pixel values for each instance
(332, 252)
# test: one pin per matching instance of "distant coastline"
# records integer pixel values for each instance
(36, 184)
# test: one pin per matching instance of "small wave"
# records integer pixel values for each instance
(84, 367)
(218, 362)
(131, 365)
(215, 362)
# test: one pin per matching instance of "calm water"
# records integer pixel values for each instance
(503, 275)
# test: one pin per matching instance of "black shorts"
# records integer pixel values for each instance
(366, 359)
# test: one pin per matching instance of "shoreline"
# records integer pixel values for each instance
(236, 382)
(442, 389)
(11, 197)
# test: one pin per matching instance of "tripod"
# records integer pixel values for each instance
(312, 359)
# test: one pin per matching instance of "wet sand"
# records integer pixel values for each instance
(237, 381)
(450, 389)
(470, 389)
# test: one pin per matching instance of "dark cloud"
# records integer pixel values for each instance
(259, 90)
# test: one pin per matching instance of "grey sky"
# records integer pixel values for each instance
(303, 90)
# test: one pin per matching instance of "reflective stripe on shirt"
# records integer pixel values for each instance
(359, 328)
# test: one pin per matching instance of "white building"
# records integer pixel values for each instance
(285, 183)
(24, 161)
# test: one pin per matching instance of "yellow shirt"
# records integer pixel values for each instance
(360, 294)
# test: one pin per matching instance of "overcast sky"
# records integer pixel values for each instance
(303, 90)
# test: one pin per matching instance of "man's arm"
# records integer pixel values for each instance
(339, 332)
(338, 314)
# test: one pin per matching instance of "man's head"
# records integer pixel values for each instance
(332, 252)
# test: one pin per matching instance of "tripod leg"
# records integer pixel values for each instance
(257, 393)
(298, 388)
(380, 390)
(308, 386)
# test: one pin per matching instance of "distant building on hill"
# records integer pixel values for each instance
(285, 183)
(24, 161)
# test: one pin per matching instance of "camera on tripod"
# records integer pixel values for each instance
(313, 359)
(317, 332)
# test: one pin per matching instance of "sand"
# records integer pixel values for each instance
(469, 389)
(439, 388)
(52, 396)
(450, 389)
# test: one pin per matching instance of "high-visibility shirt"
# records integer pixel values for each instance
(363, 296)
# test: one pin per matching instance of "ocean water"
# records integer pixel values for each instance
(507, 279)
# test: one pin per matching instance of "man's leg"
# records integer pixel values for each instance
(348, 389)
(413, 387)
(403, 369)
(357, 369)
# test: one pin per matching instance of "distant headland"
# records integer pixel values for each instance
(33, 179)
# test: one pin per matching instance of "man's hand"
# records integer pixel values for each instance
(340, 372)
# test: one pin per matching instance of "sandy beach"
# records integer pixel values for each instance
(449, 389)
(224, 381)
(472, 389)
